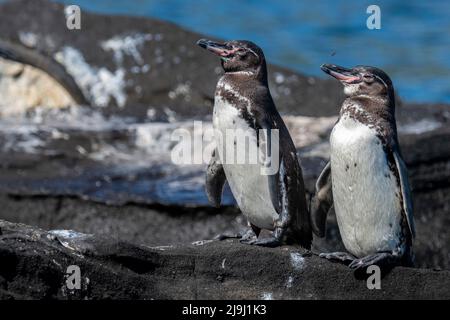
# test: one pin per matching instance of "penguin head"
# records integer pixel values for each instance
(237, 55)
(361, 80)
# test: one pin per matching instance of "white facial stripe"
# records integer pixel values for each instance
(253, 52)
(352, 88)
(381, 80)
(248, 73)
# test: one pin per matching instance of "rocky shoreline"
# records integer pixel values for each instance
(34, 262)
(101, 168)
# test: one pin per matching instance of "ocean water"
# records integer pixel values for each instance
(412, 46)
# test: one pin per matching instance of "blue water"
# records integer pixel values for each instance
(413, 45)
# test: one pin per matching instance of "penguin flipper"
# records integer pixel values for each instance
(270, 163)
(406, 192)
(323, 201)
(274, 191)
(215, 180)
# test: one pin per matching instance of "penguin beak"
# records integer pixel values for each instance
(221, 49)
(342, 74)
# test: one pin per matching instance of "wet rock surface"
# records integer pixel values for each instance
(34, 265)
(105, 168)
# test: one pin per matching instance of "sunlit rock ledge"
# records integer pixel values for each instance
(34, 266)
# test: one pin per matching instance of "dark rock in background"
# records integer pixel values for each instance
(171, 54)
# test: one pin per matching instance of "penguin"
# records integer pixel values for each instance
(366, 179)
(275, 201)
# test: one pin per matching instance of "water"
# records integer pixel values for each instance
(413, 44)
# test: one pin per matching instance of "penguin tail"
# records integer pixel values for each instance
(303, 237)
(306, 239)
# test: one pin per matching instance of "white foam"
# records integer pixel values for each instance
(127, 45)
(279, 78)
(99, 84)
(23, 138)
(183, 89)
(145, 143)
(29, 132)
(419, 127)
(29, 39)
(154, 136)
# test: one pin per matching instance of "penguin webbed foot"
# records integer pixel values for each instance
(270, 242)
(275, 240)
(343, 257)
(381, 259)
(225, 236)
(248, 235)
(244, 236)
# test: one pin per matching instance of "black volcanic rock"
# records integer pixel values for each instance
(34, 266)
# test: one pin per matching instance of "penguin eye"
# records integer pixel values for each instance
(241, 52)
(368, 78)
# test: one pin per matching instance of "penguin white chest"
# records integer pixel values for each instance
(236, 144)
(365, 191)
